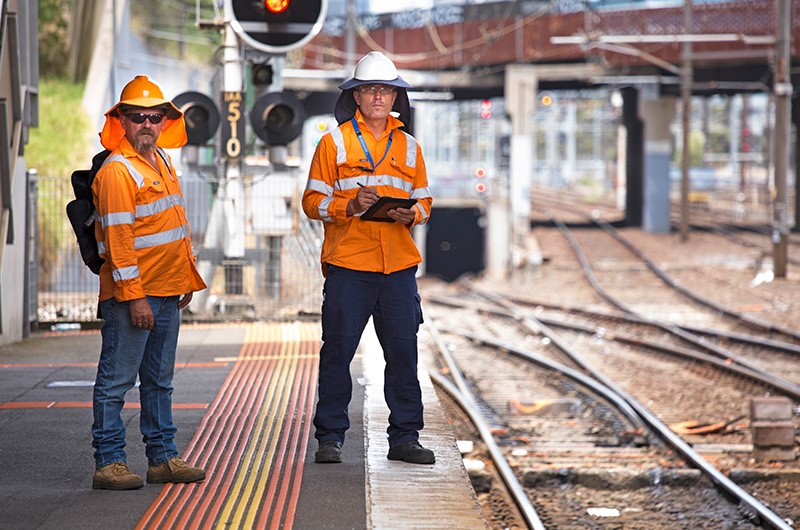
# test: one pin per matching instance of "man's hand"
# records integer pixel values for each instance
(366, 197)
(402, 215)
(141, 314)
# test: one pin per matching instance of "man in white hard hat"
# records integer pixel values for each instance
(369, 266)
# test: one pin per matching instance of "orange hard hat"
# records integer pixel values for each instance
(143, 92)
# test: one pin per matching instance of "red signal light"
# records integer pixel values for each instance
(480, 187)
(486, 109)
(480, 173)
(276, 6)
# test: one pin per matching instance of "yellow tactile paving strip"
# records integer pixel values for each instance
(252, 440)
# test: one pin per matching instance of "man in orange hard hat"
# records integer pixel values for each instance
(148, 276)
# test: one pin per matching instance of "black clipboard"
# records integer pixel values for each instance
(377, 212)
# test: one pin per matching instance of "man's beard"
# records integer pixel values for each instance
(145, 142)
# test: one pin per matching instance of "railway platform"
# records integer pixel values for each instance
(243, 404)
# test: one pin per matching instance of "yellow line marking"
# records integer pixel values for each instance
(281, 413)
(253, 471)
(260, 358)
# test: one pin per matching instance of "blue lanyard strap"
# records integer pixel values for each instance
(366, 151)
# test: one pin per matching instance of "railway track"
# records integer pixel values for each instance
(682, 354)
(767, 339)
(563, 436)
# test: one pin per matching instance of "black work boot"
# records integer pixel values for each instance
(329, 452)
(412, 452)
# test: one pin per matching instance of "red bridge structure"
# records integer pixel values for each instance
(733, 42)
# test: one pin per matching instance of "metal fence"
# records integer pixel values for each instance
(278, 276)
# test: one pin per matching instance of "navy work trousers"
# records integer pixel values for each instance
(349, 299)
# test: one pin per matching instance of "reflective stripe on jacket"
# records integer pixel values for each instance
(143, 232)
(338, 167)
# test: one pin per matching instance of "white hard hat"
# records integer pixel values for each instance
(375, 67)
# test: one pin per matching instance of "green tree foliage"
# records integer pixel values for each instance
(54, 19)
(59, 145)
(169, 27)
(697, 142)
(61, 141)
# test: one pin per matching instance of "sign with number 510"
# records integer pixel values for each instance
(233, 133)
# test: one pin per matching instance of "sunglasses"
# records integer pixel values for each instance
(138, 117)
(376, 89)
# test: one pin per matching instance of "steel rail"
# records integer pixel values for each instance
(613, 232)
(733, 336)
(742, 338)
(764, 378)
(524, 505)
(763, 324)
(766, 517)
(666, 326)
(462, 395)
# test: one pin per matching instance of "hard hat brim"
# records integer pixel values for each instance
(346, 106)
(172, 136)
(171, 110)
(353, 83)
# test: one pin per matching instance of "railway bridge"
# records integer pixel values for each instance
(653, 52)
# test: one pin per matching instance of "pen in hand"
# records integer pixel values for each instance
(364, 186)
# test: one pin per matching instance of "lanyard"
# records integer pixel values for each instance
(366, 151)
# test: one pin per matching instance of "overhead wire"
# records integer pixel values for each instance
(441, 49)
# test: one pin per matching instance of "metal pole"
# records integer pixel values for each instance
(745, 141)
(686, 100)
(350, 36)
(112, 72)
(783, 93)
(225, 223)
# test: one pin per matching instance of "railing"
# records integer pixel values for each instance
(279, 279)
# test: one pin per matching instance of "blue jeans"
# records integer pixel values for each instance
(350, 298)
(127, 352)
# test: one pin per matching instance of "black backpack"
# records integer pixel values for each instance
(81, 212)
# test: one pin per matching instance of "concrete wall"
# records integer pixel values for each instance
(12, 274)
(19, 80)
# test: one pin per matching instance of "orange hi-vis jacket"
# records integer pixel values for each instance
(143, 232)
(338, 167)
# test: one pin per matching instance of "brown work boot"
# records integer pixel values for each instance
(116, 476)
(175, 470)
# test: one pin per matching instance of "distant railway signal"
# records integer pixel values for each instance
(277, 118)
(200, 114)
(486, 109)
(479, 185)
